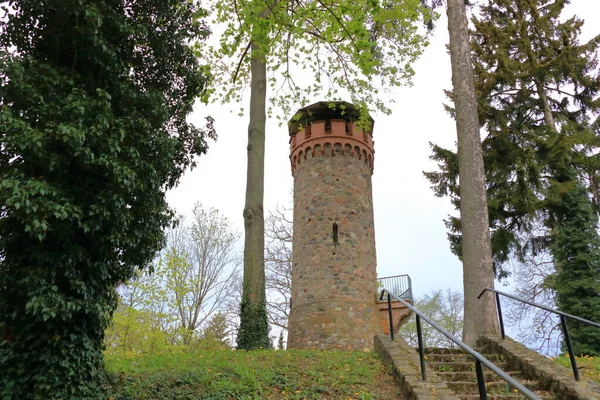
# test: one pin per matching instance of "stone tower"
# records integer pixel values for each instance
(334, 263)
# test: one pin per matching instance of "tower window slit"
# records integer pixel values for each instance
(334, 234)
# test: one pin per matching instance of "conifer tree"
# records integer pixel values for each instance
(538, 100)
(575, 248)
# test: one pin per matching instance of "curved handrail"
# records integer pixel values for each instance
(563, 322)
(479, 359)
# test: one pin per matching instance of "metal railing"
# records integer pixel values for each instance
(480, 360)
(563, 322)
(400, 285)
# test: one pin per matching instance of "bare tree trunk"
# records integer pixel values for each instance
(254, 328)
(479, 315)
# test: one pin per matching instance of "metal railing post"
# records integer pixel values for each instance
(563, 322)
(480, 380)
(421, 349)
(500, 316)
(390, 316)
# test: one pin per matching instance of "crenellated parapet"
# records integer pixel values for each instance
(334, 133)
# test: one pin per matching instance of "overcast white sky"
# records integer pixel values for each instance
(410, 233)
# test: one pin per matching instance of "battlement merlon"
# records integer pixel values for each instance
(329, 127)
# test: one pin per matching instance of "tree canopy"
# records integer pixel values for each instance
(187, 288)
(347, 48)
(445, 307)
(94, 96)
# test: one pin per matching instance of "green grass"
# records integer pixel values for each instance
(262, 374)
(589, 367)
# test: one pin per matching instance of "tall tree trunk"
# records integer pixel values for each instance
(548, 117)
(254, 328)
(479, 315)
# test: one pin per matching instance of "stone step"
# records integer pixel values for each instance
(497, 387)
(433, 357)
(471, 376)
(441, 350)
(457, 370)
(460, 366)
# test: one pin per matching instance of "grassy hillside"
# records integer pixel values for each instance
(589, 367)
(263, 374)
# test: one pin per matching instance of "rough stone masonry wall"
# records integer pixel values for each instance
(334, 284)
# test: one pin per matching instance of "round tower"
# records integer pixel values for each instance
(334, 262)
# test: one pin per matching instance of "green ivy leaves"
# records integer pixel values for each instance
(93, 130)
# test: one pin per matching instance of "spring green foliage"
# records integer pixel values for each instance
(178, 303)
(94, 96)
(445, 307)
(260, 374)
(216, 332)
(538, 97)
(358, 47)
(133, 330)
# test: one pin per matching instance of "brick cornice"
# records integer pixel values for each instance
(331, 138)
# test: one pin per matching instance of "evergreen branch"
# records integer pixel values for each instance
(501, 92)
(559, 91)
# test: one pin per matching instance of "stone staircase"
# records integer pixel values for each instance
(457, 370)
(451, 373)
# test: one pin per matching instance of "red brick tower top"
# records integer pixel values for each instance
(329, 126)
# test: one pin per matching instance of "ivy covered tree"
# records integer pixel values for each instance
(94, 96)
(348, 45)
(538, 98)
